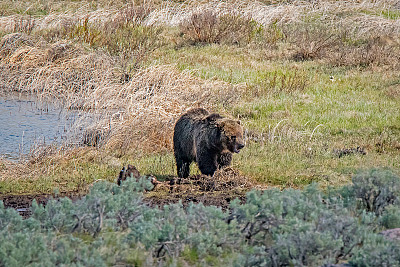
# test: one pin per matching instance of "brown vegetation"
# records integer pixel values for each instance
(144, 108)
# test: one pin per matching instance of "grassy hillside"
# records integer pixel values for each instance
(316, 85)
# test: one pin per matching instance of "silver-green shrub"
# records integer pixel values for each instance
(113, 225)
(376, 189)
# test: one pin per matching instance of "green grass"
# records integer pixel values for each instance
(347, 111)
(298, 163)
(386, 13)
(67, 178)
(161, 165)
(228, 63)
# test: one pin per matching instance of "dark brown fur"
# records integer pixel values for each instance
(131, 171)
(208, 139)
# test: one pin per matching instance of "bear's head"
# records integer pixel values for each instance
(231, 134)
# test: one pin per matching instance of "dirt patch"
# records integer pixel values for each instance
(219, 190)
(22, 203)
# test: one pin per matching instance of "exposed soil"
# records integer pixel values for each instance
(219, 190)
(22, 203)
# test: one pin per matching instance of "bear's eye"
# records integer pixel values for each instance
(233, 137)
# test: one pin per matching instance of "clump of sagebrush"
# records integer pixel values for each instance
(211, 27)
(297, 228)
(311, 40)
(272, 228)
(339, 46)
(376, 189)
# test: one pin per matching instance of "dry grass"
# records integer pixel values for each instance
(343, 33)
(282, 13)
(224, 180)
(138, 114)
(210, 27)
(376, 50)
(351, 14)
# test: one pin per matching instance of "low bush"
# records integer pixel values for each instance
(391, 217)
(114, 225)
(372, 50)
(311, 40)
(376, 189)
(210, 27)
(317, 40)
(125, 36)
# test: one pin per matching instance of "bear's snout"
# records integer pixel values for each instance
(238, 147)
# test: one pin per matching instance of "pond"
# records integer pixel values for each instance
(26, 123)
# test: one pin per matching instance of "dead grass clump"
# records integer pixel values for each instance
(59, 51)
(28, 57)
(135, 14)
(226, 179)
(11, 42)
(210, 27)
(311, 40)
(12, 170)
(24, 24)
(376, 50)
(57, 71)
(42, 153)
(21, 51)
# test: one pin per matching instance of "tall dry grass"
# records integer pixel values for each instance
(346, 33)
(357, 16)
(134, 115)
(350, 13)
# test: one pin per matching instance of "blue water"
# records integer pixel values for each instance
(26, 124)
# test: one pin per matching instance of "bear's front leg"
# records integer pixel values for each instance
(207, 163)
(224, 159)
(183, 167)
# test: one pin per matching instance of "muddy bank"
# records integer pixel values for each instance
(23, 203)
(220, 190)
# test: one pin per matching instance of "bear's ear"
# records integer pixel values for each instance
(212, 117)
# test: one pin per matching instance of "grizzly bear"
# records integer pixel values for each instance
(208, 139)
